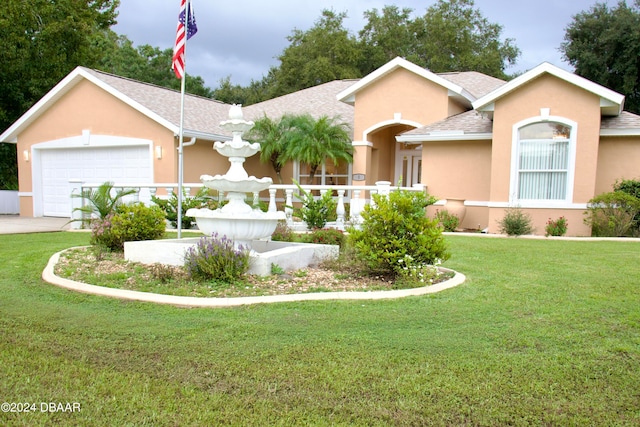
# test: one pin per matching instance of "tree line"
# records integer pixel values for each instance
(44, 40)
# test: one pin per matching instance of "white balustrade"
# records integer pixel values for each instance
(346, 194)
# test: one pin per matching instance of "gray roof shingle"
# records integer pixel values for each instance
(201, 114)
(469, 122)
(477, 84)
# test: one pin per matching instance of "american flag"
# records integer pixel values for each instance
(188, 21)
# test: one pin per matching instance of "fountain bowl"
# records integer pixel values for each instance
(241, 227)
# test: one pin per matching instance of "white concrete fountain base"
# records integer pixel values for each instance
(287, 255)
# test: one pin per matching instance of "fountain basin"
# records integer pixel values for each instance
(241, 227)
(287, 255)
(226, 183)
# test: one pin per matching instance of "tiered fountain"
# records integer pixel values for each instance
(236, 220)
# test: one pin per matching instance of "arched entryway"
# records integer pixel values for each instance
(393, 161)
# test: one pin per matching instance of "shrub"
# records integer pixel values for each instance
(612, 214)
(315, 211)
(395, 227)
(631, 187)
(515, 222)
(556, 227)
(217, 258)
(325, 236)
(170, 206)
(282, 233)
(129, 223)
(447, 220)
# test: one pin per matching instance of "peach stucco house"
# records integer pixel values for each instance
(547, 141)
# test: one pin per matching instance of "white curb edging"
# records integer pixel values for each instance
(49, 276)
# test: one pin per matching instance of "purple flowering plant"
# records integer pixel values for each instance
(217, 258)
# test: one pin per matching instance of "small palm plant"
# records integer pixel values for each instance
(100, 202)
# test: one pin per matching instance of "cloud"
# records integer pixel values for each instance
(243, 39)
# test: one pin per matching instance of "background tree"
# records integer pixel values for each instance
(386, 36)
(314, 141)
(42, 41)
(145, 63)
(455, 36)
(324, 53)
(603, 44)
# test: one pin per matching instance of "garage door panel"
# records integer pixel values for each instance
(122, 165)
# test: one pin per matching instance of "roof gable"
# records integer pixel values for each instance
(162, 105)
(611, 103)
(456, 91)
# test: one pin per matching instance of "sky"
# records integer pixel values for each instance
(242, 40)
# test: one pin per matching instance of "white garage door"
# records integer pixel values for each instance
(95, 165)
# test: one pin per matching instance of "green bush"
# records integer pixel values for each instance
(170, 206)
(395, 227)
(447, 220)
(612, 214)
(129, 223)
(325, 236)
(515, 222)
(315, 211)
(631, 187)
(216, 258)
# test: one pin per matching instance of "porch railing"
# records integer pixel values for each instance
(276, 194)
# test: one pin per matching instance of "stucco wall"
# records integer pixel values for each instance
(564, 100)
(618, 159)
(459, 170)
(87, 107)
(401, 91)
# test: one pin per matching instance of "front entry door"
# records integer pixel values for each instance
(408, 164)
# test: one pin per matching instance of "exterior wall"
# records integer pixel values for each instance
(618, 159)
(401, 91)
(563, 100)
(459, 170)
(87, 107)
(400, 98)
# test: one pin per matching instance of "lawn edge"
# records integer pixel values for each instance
(49, 276)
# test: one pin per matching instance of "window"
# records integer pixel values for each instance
(327, 174)
(543, 162)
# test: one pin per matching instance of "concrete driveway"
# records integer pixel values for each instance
(14, 224)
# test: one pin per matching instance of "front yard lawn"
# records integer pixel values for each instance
(543, 332)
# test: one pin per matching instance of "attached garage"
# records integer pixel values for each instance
(102, 159)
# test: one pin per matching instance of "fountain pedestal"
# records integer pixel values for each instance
(236, 220)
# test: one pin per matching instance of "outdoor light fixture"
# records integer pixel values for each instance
(25, 155)
(158, 152)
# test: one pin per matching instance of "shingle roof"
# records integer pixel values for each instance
(317, 101)
(202, 115)
(477, 84)
(625, 120)
(469, 122)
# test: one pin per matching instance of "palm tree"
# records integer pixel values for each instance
(313, 141)
(272, 136)
(100, 201)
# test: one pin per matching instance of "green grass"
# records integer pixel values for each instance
(543, 332)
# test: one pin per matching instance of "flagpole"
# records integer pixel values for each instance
(183, 84)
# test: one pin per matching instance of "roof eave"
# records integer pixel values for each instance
(620, 132)
(64, 86)
(611, 102)
(445, 136)
(348, 95)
